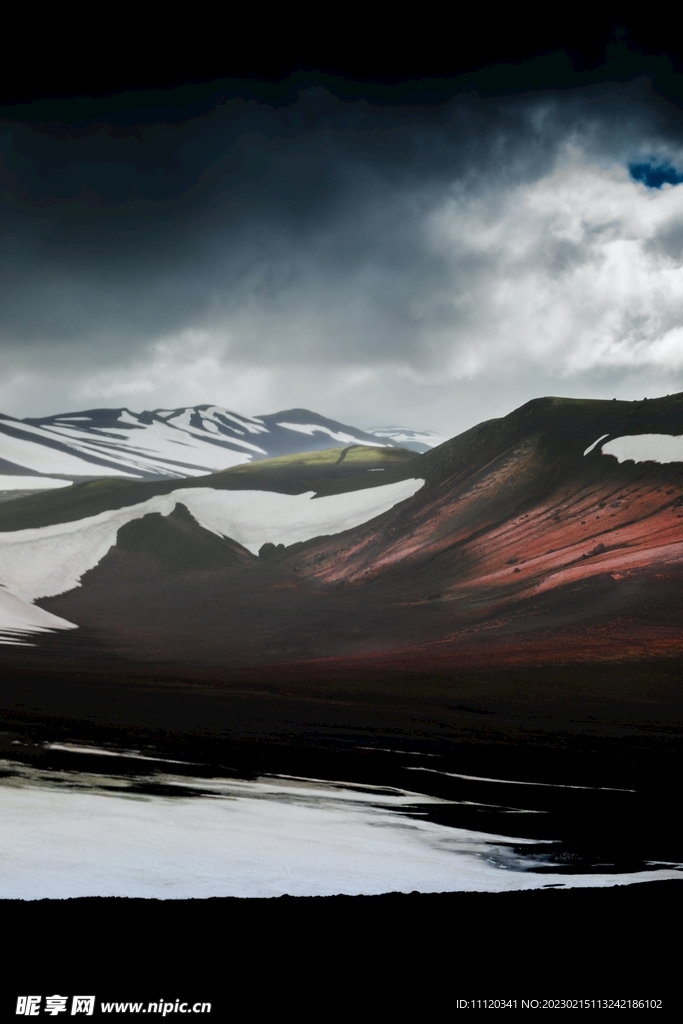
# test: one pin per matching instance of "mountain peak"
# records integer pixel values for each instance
(187, 441)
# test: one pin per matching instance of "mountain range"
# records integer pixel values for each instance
(552, 534)
(186, 442)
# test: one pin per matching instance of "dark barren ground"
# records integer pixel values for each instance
(619, 724)
(379, 953)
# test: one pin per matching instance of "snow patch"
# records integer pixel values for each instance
(50, 560)
(646, 448)
(340, 435)
(31, 483)
(19, 619)
(254, 518)
(590, 447)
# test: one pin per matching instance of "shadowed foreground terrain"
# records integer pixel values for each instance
(593, 944)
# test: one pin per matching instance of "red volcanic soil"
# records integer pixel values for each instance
(612, 526)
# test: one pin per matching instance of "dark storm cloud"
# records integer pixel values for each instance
(316, 232)
(126, 232)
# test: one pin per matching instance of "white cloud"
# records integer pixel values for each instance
(570, 275)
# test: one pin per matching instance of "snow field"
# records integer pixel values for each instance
(128, 450)
(51, 560)
(252, 839)
(254, 518)
(42, 458)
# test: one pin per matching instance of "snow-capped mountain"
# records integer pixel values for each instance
(185, 442)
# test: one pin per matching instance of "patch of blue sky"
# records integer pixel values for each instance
(655, 173)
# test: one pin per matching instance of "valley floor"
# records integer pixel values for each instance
(588, 755)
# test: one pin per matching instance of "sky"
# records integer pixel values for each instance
(426, 264)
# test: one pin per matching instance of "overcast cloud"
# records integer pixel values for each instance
(430, 266)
